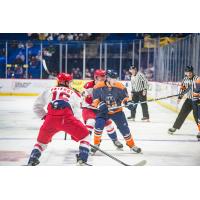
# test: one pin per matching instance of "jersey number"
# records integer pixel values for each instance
(60, 96)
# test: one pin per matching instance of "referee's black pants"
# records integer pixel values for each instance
(139, 97)
(184, 112)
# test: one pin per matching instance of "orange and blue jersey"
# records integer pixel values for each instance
(112, 95)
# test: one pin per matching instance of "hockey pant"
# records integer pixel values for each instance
(67, 123)
(89, 117)
(121, 123)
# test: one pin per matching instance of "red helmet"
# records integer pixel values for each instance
(63, 78)
(99, 72)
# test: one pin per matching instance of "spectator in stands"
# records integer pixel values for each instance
(21, 45)
(19, 72)
(70, 37)
(127, 76)
(88, 74)
(79, 71)
(34, 68)
(20, 57)
(76, 75)
(149, 71)
(92, 72)
(10, 72)
(61, 37)
(50, 37)
(39, 56)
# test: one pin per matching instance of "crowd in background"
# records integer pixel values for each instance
(19, 71)
(61, 36)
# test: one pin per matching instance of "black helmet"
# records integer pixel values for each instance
(188, 69)
(133, 67)
(111, 73)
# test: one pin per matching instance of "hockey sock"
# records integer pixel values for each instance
(40, 146)
(84, 150)
(97, 136)
(129, 140)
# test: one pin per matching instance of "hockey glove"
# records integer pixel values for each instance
(103, 107)
(130, 105)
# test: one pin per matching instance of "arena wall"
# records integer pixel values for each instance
(33, 87)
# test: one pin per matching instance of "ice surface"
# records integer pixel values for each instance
(19, 128)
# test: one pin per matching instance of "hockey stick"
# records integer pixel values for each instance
(156, 99)
(141, 163)
(116, 107)
(45, 66)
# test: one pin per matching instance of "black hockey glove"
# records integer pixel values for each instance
(130, 105)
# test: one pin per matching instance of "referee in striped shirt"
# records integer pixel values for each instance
(139, 92)
(188, 82)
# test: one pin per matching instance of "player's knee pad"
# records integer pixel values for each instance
(90, 124)
(40, 146)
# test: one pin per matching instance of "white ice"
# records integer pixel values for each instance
(19, 128)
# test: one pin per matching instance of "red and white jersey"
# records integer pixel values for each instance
(87, 94)
(58, 93)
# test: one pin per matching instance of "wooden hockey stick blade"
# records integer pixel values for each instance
(141, 163)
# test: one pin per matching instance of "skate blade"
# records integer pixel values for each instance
(83, 164)
(92, 153)
(119, 149)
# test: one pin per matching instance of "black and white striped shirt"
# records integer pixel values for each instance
(186, 83)
(139, 82)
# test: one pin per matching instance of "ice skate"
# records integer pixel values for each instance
(131, 118)
(145, 119)
(81, 162)
(34, 158)
(93, 150)
(118, 144)
(136, 149)
(198, 136)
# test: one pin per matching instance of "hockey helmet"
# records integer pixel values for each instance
(188, 69)
(111, 74)
(133, 67)
(63, 78)
(99, 72)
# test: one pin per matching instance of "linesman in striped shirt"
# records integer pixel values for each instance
(139, 92)
(188, 82)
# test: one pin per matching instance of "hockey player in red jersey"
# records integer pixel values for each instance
(89, 115)
(63, 114)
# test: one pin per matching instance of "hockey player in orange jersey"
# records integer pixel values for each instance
(108, 94)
